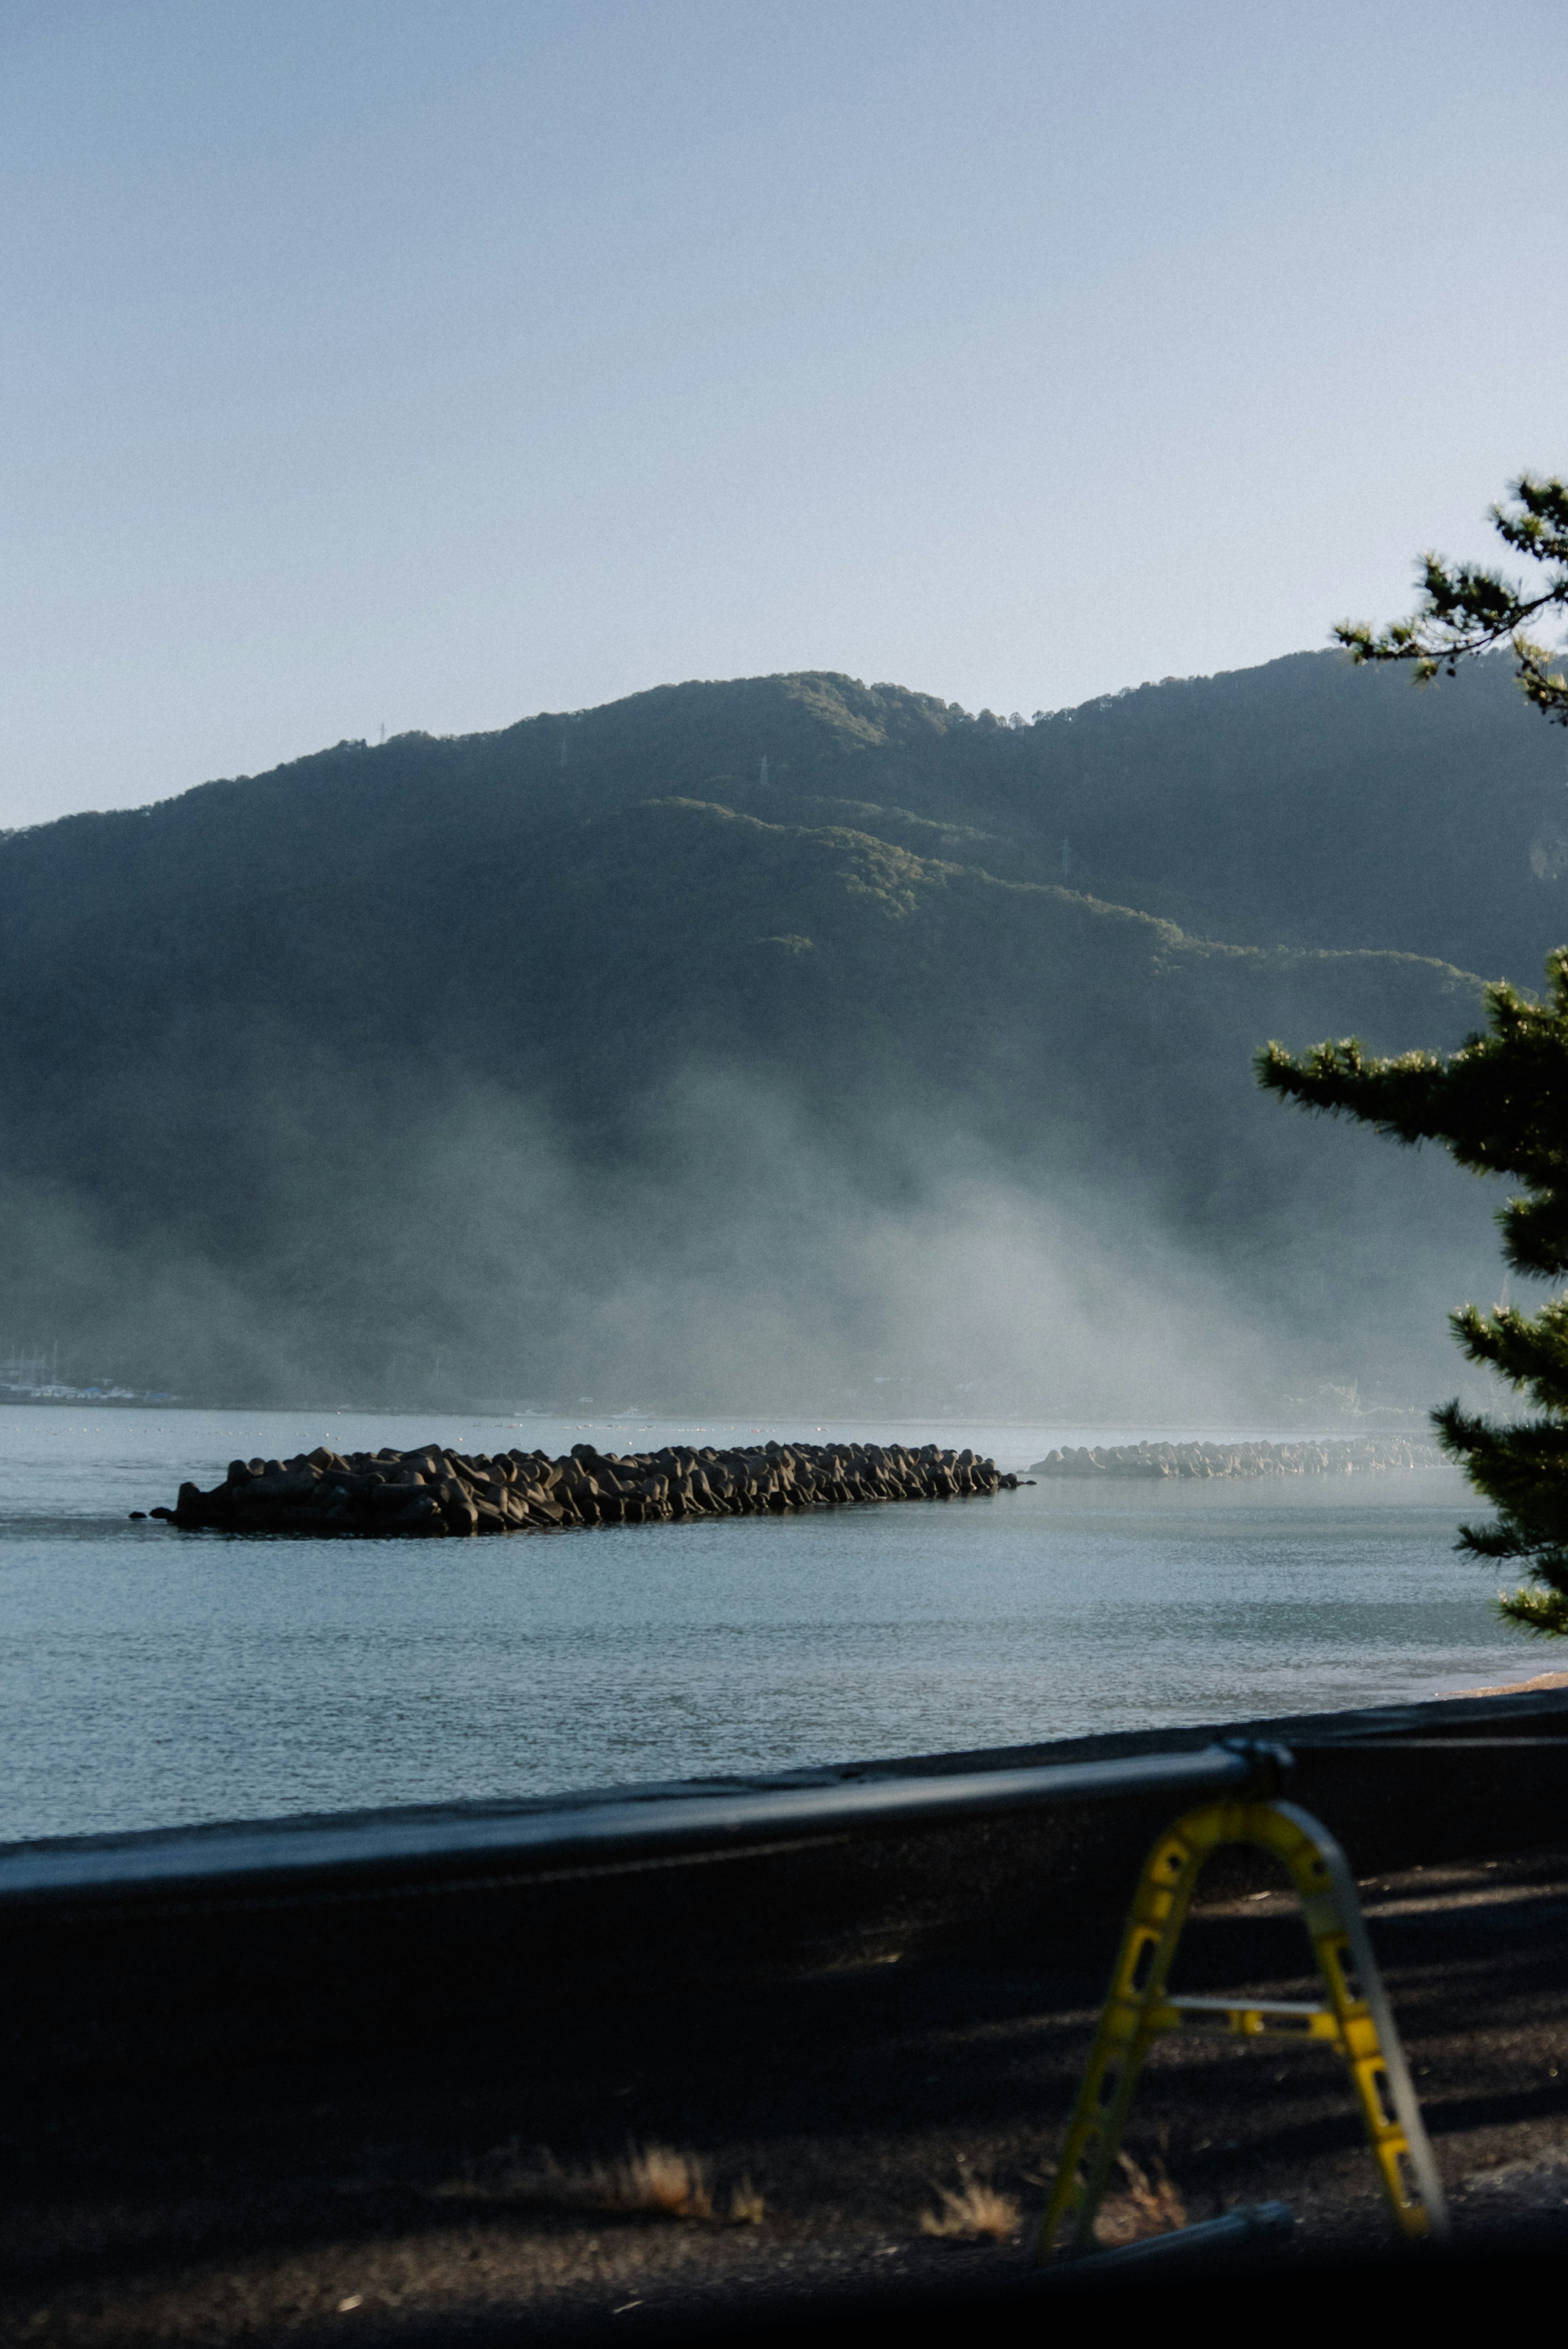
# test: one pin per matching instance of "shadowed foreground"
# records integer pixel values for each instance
(415, 2195)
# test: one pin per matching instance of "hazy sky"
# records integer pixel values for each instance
(431, 362)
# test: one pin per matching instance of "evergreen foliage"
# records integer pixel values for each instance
(1500, 1104)
(1469, 607)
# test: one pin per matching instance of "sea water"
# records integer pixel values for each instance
(149, 1676)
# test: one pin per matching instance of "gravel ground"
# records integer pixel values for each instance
(464, 2197)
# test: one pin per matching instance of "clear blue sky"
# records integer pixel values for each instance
(431, 362)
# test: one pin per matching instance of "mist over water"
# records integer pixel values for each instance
(733, 1250)
(442, 1078)
(148, 1677)
(442, 1074)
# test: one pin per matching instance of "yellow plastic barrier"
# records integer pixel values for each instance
(1356, 2020)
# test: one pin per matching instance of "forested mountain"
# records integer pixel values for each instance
(776, 1043)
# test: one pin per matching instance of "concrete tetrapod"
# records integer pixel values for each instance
(433, 1490)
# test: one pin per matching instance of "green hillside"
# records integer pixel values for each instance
(592, 1057)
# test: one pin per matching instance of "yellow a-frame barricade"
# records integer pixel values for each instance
(1355, 2022)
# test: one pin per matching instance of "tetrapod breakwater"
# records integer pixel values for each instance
(1356, 1455)
(433, 1490)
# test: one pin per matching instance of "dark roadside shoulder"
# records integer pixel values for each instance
(412, 2195)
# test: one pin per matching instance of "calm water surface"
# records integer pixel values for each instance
(149, 1676)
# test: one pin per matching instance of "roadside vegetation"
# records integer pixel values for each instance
(1498, 1105)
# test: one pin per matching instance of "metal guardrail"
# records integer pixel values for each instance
(1245, 2225)
(587, 1834)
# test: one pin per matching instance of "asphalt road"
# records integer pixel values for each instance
(422, 2196)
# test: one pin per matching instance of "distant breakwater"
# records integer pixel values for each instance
(435, 1491)
(1356, 1456)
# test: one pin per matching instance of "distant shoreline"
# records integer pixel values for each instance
(1221, 1431)
(1302, 1456)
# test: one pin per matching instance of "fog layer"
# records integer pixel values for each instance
(596, 1059)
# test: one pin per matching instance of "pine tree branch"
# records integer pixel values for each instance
(1500, 1104)
(1530, 1350)
(1467, 608)
(1543, 1612)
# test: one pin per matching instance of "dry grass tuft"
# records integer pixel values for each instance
(655, 2181)
(1150, 2206)
(659, 2180)
(972, 2209)
(747, 2208)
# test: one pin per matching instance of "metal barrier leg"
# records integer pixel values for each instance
(1357, 2021)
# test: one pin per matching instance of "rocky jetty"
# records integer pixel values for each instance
(1356, 1456)
(434, 1490)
